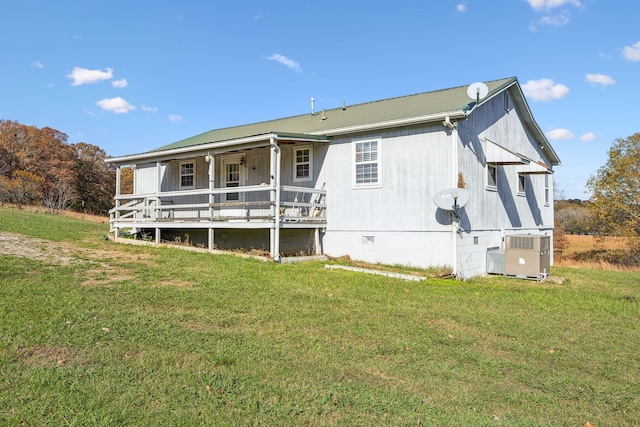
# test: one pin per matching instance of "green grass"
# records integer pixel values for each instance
(145, 336)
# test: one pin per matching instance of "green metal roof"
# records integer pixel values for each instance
(314, 126)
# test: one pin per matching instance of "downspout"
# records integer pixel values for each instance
(455, 222)
(275, 198)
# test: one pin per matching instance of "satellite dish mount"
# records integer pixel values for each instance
(452, 200)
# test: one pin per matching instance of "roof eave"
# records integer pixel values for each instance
(173, 152)
(430, 118)
(533, 125)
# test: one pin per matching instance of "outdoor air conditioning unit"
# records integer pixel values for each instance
(527, 256)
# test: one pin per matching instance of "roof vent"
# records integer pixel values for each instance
(344, 106)
(313, 101)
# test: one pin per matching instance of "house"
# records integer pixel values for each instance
(359, 180)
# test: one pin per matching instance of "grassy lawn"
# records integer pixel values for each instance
(123, 335)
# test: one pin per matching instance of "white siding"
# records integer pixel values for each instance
(491, 214)
(416, 163)
(417, 249)
(397, 223)
(146, 179)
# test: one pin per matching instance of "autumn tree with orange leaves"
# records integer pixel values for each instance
(39, 165)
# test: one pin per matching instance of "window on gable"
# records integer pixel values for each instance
(522, 184)
(187, 175)
(546, 189)
(367, 163)
(303, 163)
(492, 176)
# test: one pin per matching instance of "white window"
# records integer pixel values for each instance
(232, 176)
(522, 181)
(367, 163)
(546, 189)
(303, 163)
(492, 177)
(187, 175)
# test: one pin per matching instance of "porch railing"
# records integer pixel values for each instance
(249, 203)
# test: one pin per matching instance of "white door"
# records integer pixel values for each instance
(232, 176)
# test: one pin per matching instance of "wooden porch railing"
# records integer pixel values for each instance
(297, 204)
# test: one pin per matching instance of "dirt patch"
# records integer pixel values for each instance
(39, 355)
(103, 267)
(65, 254)
(37, 249)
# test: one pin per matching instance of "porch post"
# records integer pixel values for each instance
(158, 212)
(274, 181)
(316, 241)
(212, 185)
(117, 201)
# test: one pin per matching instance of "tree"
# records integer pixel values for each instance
(66, 173)
(560, 241)
(615, 199)
(15, 140)
(55, 161)
(95, 186)
(22, 187)
(573, 215)
(126, 181)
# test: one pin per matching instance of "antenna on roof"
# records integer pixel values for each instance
(477, 91)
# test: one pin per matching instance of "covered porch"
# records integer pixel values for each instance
(233, 192)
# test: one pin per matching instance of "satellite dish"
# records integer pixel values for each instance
(452, 199)
(477, 91)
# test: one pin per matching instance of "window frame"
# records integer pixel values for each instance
(492, 176)
(232, 160)
(183, 175)
(309, 162)
(547, 189)
(522, 184)
(377, 162)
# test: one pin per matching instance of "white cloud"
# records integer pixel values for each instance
(588, 137)
(149, 109)
(289, 63)
(116, 105)
(552, 4)
(82, 76)
(462, 8)
(544, 90)
(89, 112)
(559, 20)
(632, 53)
(37, 64)
(174, 118)
(119, 83)
(559, 134)
(600, 79)
(552, 18)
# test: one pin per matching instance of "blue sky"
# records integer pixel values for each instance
(130, 76)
